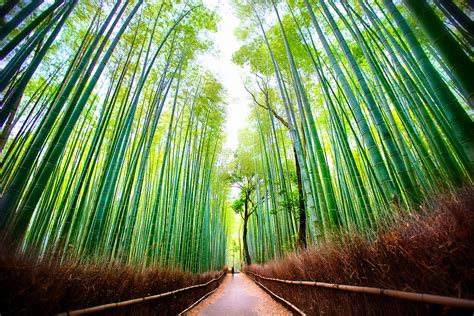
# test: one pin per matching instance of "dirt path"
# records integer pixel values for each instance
(238, 295)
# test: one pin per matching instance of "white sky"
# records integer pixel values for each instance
(230, 75)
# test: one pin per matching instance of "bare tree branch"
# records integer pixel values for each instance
(267, 106)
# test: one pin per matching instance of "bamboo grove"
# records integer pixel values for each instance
(361, 107)
(110, 143)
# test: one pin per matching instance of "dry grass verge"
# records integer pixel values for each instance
(431, 251)
(27, 288)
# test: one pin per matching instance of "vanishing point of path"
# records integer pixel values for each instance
(238, 295)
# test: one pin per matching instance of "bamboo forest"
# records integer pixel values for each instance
(237, 157)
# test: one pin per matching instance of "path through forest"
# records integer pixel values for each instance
(238, 295)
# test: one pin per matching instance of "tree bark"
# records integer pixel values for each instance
(8, 127)
(248, 261)
(301, 207)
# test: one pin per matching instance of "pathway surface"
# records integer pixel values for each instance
(238, 295)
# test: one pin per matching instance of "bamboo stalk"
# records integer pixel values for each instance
(103, 307)
(411, 296)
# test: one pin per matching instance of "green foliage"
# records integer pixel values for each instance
(112, 133)
(354, 94)
(238, 205)
(124, 164)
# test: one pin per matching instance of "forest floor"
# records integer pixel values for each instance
(239, 295)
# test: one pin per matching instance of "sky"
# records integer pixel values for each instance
(231, 76)
(219, 61)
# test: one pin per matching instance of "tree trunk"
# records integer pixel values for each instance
(6, 8)
(460, 64)
(458, 15)
(248, 261)
(244, 241)
(8, 127)
(457, 117)
(301, 207)
(18, 18)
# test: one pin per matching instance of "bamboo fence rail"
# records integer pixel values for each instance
(103, 307)
(412, 296)
(281, 299)
(197, 302)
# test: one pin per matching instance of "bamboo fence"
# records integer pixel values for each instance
(404, 295)
(103, 307)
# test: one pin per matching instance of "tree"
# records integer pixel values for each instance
(266, 105)
(244, 178)
(373, 124)
(114, 149)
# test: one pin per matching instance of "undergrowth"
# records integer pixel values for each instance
(430, 250)
(31, 288)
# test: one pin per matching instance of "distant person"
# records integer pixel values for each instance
(232, 270)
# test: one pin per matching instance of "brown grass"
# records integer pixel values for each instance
(431, 251)
(28, 288)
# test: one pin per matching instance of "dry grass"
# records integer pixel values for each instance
(28, 288)
(431, 251)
